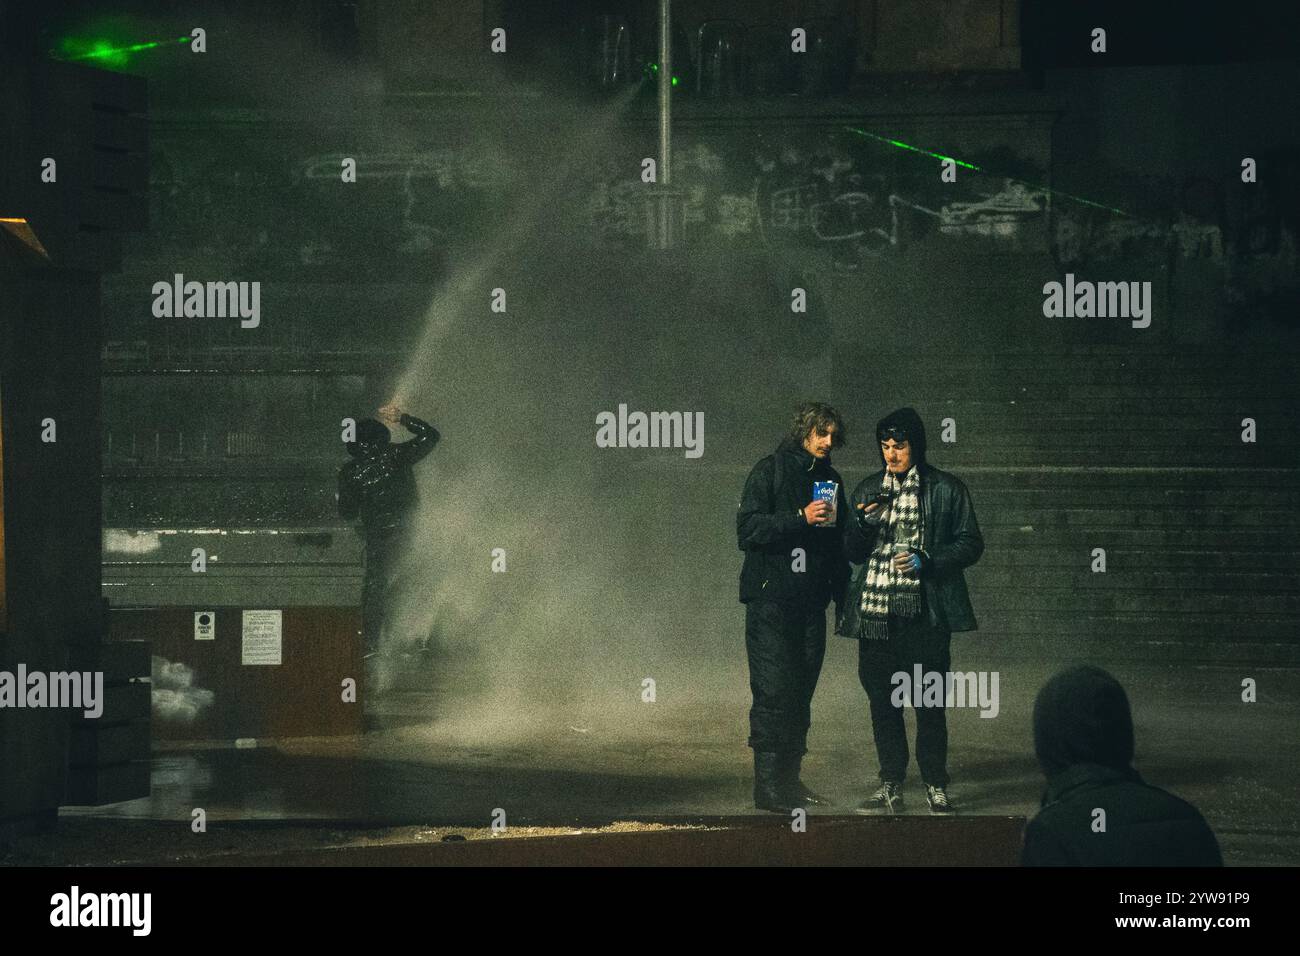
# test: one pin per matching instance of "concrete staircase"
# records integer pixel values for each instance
(1140, 454)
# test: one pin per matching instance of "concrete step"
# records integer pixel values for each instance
(989, 454)
(1152, 561)
(1084, 365)
(1103, 429)
(1209, 520)
(1130, 479)
(1144, 646)
(1101, 439)
(1026, 598)
(1155, 540)
(1246, 498)
(1147, 412)
(1136, 578)
(1175, 624)
(1152, 379)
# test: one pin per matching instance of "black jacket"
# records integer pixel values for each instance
(1145, 826)
(769, 529)
(378, 484)
(951, 541)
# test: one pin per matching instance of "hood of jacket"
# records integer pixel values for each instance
(1086, 776)
(909, 423)
(1081, 716)
(807, 460)
(372, 435)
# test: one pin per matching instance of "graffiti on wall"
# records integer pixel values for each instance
(825, 193)
(257, 212)
(1173, 221)
(850, 200)
(1248, 231)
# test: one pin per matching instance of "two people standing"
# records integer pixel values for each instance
(910, 529)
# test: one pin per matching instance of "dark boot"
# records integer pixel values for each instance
(769, 793)
(794, 787)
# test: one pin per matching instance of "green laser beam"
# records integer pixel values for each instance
(653, 67)
(106, 52)
(925, 152)
(915, 149)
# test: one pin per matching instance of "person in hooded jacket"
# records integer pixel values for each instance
(794, 567)
(378, 486)
(1083, 737)
(914, 532)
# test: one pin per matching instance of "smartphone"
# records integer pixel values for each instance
(870, 519)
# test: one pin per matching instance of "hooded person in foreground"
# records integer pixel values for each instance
(914, 532)
(378, 485)
(1097, 811)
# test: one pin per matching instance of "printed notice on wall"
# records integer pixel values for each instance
(262, 630)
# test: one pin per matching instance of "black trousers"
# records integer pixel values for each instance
(376, 590)
(911, 641)
(785, 644)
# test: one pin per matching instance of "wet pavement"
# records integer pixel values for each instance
(430, 763)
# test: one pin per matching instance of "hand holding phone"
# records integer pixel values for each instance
(871, 513)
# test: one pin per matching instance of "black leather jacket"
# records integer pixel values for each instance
(378, 484)
(952, 541)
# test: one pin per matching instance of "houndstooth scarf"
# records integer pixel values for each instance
(886, 591)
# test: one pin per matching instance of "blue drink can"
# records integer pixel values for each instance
(828, 491)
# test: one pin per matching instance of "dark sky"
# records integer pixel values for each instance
(1057, 33)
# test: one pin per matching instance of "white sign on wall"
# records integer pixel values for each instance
(262, 637)
(205, 625)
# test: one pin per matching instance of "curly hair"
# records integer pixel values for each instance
(820, 416)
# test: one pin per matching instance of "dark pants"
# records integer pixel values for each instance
(381, 557)
(912, 641)
(785, 644)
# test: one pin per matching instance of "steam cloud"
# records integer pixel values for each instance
(175, 696)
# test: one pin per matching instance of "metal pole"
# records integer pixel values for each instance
(665, 118)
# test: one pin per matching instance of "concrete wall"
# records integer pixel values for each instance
(48, 364)
(50, 346)
(941, 282)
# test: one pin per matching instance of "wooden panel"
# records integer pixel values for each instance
(302, 696)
